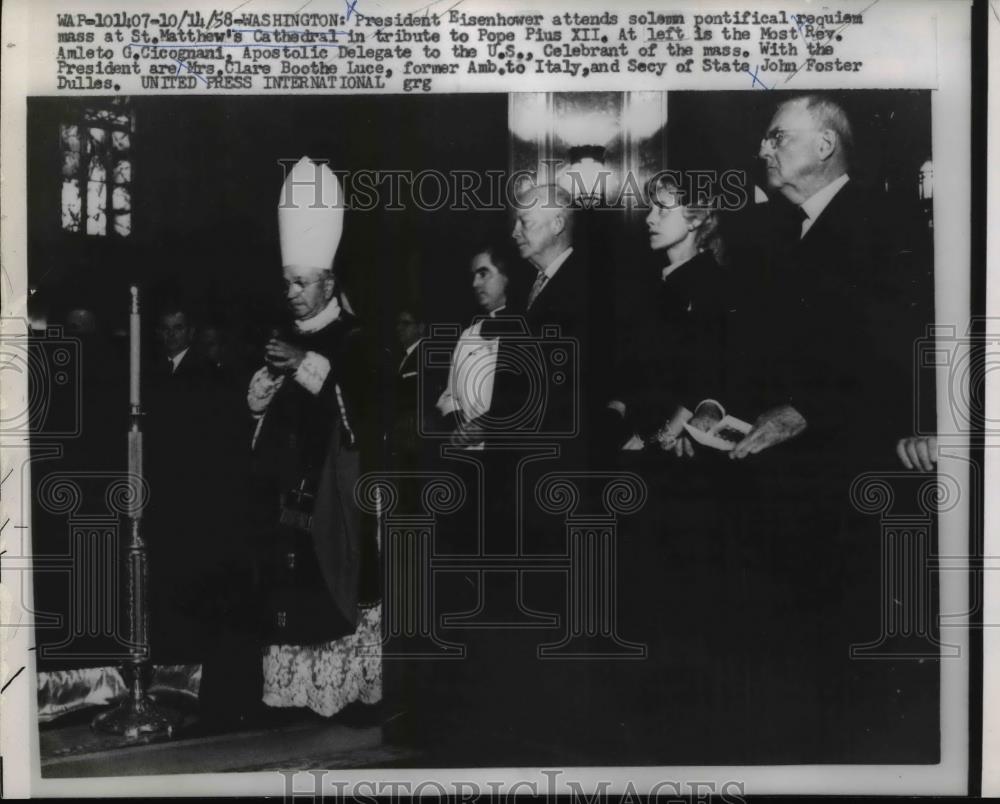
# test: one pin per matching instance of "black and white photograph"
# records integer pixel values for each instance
(541, 428)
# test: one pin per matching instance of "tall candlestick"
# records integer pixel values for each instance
(137, 717)
(133, 373)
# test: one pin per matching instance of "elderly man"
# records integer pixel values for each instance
(838, 361)
(562, 296)
(836, 303)
(316, 422)
(543, 234)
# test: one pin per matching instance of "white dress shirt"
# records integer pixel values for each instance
(177, 358)
(814, 205)
(545, 274)
(556, 264)
(406, 356)
(470, 376)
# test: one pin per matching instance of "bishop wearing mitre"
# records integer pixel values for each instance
(315, 431)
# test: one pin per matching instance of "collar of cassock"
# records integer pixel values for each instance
(499, 322)
(323, 318)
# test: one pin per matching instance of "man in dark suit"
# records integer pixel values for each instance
(831, 299)
(410, 330)
(415, 391)
(561, 296)
(835, 298)
(179, 419)
(199, 568)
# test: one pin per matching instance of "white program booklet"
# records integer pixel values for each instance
(724, 435)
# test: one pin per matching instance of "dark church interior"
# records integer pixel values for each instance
(733, 629)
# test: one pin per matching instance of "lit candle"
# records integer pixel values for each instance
(133, 374)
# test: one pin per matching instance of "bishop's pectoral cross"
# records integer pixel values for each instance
(296, 512)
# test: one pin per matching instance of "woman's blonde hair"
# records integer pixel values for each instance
(700, 210)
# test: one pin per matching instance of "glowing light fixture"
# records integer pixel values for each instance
(587, 178)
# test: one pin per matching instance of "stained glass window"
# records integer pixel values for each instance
(96, 152)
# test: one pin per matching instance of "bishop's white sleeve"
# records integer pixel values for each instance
(263, 386)
(312, 372)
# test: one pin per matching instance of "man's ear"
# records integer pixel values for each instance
(826, 143)
(558, 223)
(329, 286)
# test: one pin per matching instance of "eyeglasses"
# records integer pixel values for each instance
(776, 136)
(299, 285)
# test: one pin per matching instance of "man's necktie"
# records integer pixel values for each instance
(800, 216)
(788, 225)
(536, 288)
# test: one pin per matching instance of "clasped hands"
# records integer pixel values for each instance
(282, 357)
(777, 425)
(773, 427)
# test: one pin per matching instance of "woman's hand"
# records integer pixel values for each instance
(672, 438)
(683, 448)
(669, 441)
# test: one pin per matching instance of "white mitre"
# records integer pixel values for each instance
(310, 216)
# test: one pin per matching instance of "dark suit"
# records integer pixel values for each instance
(188, 520)
(837, 307)
(682, 346)
(406, 407)
(406, 372)
(843, 303)
(414, 393)
(563, 321)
